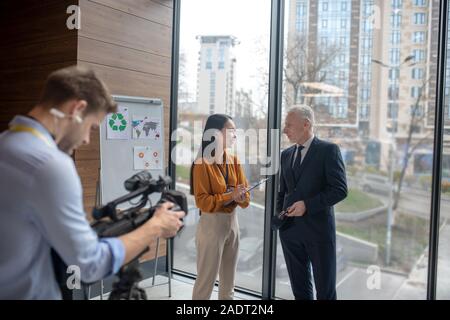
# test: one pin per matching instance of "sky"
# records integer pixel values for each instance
(248, 20)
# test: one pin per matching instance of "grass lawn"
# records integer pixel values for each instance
(183, 173)
(409, 237)
(409, 234)
(358, 201)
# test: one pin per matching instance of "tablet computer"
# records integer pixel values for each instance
(257, 184)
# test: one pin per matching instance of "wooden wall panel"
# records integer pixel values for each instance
(26, 55)
(26, 21)
(10, 108)
(127, 82)
(107, 54)
(151, 254)
(35, 42)
(159, 12)
(27, 83)
(113, 26)
(128, 43)
(167, 3)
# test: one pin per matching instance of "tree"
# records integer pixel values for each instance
(302, 64)
(184, 94)
(305, 64)
(417, 118)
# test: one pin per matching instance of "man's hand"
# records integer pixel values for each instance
(298, 209)
(166, 222)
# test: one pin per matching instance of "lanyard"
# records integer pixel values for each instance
(225, 177)
(33, 131)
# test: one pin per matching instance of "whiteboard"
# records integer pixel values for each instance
(117, 154)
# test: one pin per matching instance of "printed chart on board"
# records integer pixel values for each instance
(131, 140)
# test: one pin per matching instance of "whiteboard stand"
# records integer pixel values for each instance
(169, 263)
(155, 269)
(156, 261)
(116, 167)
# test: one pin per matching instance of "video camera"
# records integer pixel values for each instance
(124, 221)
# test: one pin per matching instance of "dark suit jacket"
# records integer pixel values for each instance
(321, 183)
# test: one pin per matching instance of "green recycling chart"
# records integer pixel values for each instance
(118, 124)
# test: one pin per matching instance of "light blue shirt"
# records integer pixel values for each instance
(41, 207)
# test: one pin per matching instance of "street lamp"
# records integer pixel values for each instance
(392, 148)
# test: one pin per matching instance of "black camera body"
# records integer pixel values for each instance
(129, 221)
(125, 221)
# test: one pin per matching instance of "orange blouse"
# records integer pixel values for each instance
(210, 187)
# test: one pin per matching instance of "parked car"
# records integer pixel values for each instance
(374, 183)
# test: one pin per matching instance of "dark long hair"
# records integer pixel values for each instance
(215, 121)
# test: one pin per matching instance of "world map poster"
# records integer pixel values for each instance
(146, 128)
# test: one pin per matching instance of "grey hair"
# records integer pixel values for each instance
(305, 112)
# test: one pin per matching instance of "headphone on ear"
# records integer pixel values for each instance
(59, 114)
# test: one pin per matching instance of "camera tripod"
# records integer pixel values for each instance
(127, 287)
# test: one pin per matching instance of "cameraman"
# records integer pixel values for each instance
(41, 205)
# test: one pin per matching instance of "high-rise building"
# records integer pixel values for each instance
(216, 75)
(323, 64)
(366, 45)
(372, 68)
(404, 77)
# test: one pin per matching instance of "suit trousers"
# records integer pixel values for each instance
(300, 256)
(217, 242)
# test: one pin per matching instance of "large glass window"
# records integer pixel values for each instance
(419, 18)
(393, 73)
(396, 19)
(420, 3)
(385, 138)
(396, 4)
(418, 73)
(395, 37)
(419, 55)
(223, 68)
(378, 108)
(443, 278)
(418, 37)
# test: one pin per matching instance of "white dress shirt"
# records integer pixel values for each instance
(305, 149)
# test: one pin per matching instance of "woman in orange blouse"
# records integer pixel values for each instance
(218, 184)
